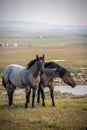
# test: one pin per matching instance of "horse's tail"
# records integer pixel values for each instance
(3, 82)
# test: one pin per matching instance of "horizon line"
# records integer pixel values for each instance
(42, 23)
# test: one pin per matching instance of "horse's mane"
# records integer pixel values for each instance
(31, 63)
(59, 68)
(50, 65)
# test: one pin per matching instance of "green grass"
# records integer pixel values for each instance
(69, 113)
(40, 41)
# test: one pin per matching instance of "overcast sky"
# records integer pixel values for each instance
(61, 12)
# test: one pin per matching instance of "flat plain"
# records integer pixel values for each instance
(70, 112)
(70, 56)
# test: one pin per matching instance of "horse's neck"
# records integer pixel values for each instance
(50, 74)
(34, 70)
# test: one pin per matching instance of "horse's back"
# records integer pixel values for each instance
(12, 67)
(13, 73)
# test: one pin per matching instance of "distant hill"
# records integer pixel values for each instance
(21, 28)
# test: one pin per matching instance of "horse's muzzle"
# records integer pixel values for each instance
(74, 84)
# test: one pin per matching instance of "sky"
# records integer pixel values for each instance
(59, 12)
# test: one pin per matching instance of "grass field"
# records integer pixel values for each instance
(44, 40)
(70, 113)
(71, 56)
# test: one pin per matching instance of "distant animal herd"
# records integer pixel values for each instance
(37, 75)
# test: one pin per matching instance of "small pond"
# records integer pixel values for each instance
(78, 90)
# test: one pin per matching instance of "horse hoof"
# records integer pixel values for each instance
(38, 102)
(33, 106)
(53, 105)
(43, 105)
(26, 106)
(10, 104)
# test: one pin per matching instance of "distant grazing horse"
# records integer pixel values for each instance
(52, 70)
(23, 77)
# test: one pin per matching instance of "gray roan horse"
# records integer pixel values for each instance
(23, 77)
(52, 70)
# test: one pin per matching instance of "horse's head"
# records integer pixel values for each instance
(40, 63)
(67, 78)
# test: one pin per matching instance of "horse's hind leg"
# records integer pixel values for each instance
(52, 95)
(43, 96)
(38, 95)
(10, 98)
(10, 91)
(41, 91)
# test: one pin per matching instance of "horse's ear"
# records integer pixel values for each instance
(43, 56)
(36, 56)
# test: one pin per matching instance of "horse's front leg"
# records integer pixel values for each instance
(52, 95)
(33, 97)
(28, 92)
(38, 94)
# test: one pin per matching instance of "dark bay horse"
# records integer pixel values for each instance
(49, 75)
(52, 70)
(23, 77)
